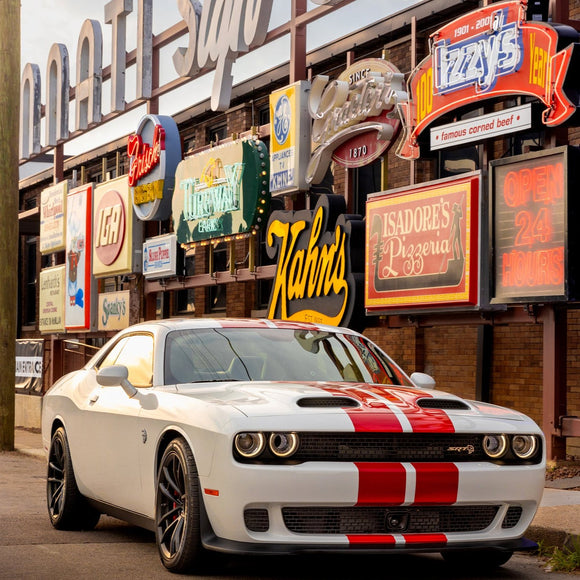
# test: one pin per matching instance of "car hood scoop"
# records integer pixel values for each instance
(326, 402)
(445, 404)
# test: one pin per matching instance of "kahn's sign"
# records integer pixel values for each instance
(222, 191)
(354, 117)
(154, 152)
(489, 53)
(317, 273)
(422, 246)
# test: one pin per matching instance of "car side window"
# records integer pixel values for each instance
(136, 353)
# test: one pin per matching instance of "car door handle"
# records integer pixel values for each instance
(94, 398)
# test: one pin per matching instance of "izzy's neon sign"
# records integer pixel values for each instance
(492, 52)
(479, 60)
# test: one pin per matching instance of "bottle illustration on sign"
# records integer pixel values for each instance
(74, 257)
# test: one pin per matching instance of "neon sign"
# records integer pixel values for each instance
(154, 151)
(221, 192)
(530, 236)
(489, 53)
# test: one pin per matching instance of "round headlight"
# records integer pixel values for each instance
(250, 444)
(283, 444)
(495, 445)
(524, 446)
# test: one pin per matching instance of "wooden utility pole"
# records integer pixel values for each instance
(9, 119)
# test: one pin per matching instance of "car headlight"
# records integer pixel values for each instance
(283, 444)
(524, 446)
(250, 444)
(495, 446)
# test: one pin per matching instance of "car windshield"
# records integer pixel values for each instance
(275, 354)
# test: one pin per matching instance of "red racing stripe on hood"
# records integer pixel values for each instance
(392, 409)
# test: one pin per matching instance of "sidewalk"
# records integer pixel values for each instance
(557, 522)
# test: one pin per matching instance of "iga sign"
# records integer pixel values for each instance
(317, 273)
(354, 120)
(221, 192)
(491, 52)
(115, 249)
(530, 209)
(423, 246)
(154, 152)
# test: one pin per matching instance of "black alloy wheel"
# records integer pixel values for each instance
(67, 507)
(177, 513)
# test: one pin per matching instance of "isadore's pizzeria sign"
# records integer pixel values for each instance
(489, 53)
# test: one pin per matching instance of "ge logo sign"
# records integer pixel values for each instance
(282, 117)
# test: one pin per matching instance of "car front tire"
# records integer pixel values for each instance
(177, 512)
(67, 507)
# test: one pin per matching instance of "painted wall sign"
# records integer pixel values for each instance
(488, 53)
(422, 246)
(154, 152)
(290, 138)
(115, 246)
(80, 291)
(222, 191)
(482, 127)
(114, 310)
(52, 218)
(318, 274)
(160, 256)
(51, 299)
(354, 119)
(530, 226)
(219, 32)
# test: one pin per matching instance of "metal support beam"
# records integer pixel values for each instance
(554, 392)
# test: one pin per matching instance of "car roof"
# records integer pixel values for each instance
(169, 324)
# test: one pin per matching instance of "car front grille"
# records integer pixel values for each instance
(380, 520)
(383, 447)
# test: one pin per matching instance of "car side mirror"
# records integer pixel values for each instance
(423, 380)
(116, 376)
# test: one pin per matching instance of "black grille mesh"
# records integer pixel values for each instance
(375, 520)
(257, 520)
(512, 517)
(389, 447)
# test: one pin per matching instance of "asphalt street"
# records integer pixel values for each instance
(31, 549)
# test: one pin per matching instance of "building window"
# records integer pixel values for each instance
(185, 301)
(216, 294)
(30, 282)
(217, 133)
(366, 180)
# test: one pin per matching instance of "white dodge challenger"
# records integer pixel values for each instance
(258, 436)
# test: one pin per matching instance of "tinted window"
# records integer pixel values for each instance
(220, 354)
(136, 353)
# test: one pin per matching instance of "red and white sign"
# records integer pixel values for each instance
(491, 52)
(422, 246)
(482, 127)
(353, 122)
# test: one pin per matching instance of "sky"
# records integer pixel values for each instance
(44, 22)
